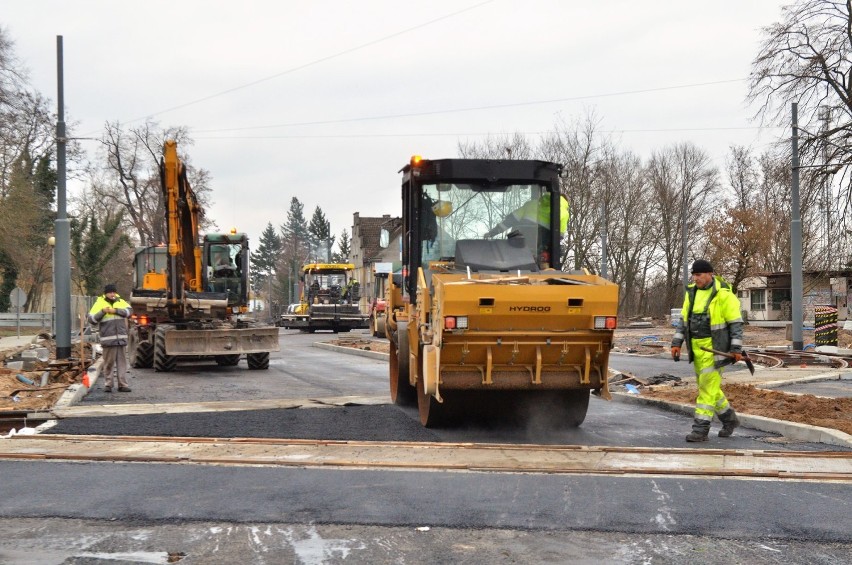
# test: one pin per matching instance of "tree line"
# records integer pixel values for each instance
(736, 215)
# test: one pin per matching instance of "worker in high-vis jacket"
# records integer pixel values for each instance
(109, 314)
(536, 211)
(711, 319)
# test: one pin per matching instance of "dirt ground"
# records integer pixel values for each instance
(805, 409)
(835, 413)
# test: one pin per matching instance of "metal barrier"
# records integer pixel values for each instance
(27, 319)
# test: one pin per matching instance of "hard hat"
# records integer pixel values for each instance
(442, 208)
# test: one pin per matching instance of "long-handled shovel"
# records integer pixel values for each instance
(732, 356)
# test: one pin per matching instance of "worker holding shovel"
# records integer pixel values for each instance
(710, 320)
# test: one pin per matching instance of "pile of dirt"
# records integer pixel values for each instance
(835, 413)
(365, 344)
(16, 394)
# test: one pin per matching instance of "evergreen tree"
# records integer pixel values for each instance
(294, 236)
(320, 235)
(26, 221)
(9, 279)
(264, 259)
(344, 247)
(93, 247)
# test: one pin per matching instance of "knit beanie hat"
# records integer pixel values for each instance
(701, 266)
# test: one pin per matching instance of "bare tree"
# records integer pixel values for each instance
(515, 146)
(684, 184)
(807, 58)
(578, 146)
(128, 178)
(631, 227)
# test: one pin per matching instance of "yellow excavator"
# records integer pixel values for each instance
(484, 318)
(190, 296)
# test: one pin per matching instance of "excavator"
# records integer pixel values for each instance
(190, 296)
(483, 318)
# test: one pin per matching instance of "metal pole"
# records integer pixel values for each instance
(796, 239)
(603, 241)
(684, 242)
(62, 290)
(52, 242)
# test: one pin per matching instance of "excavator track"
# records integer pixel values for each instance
(448, 457)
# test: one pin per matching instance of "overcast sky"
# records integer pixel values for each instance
(326, 101)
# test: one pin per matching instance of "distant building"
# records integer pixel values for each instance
(366, 251)
(767, 297)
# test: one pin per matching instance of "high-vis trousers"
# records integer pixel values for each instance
(711, 400)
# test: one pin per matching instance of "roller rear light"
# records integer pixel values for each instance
(606, 322)
(455, 322)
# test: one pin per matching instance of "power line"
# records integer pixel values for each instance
(475, 108)
(314, 62)
(473, 134)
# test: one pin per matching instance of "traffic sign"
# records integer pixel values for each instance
(18, 298)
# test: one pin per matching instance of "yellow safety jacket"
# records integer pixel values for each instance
(725, 323)
(112, 328)
(539, 211)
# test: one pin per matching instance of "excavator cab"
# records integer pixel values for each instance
(225, 266)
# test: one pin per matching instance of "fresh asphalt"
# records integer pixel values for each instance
(300, 371)
(631, 518)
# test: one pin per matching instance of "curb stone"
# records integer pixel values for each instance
(352, 351)
(75, 392)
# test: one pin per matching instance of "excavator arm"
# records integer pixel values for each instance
(182, 217)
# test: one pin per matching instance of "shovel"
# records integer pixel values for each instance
(748, 362)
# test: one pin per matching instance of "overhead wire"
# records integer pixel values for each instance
(470, 134)
(473, 108)
(314, 62)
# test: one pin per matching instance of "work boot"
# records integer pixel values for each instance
(107, 389)
(730, 422)
(700, 431)
(124, 389)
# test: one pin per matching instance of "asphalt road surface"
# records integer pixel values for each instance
(107, 512)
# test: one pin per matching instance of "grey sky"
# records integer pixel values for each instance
(377, 81)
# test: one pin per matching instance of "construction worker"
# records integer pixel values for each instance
(535, 211)
(109, 313)
(711, 319)
(351, 292)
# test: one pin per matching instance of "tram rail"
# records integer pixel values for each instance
(834, 466)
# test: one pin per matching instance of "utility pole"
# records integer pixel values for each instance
(62, 227)
(684, 243)
(603, 240)
(796, 239)
(826, 186)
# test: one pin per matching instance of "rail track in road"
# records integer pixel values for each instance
(448, 457)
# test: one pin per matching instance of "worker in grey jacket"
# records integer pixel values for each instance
(109, 314)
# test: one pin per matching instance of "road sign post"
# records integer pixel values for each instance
(18, 298)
